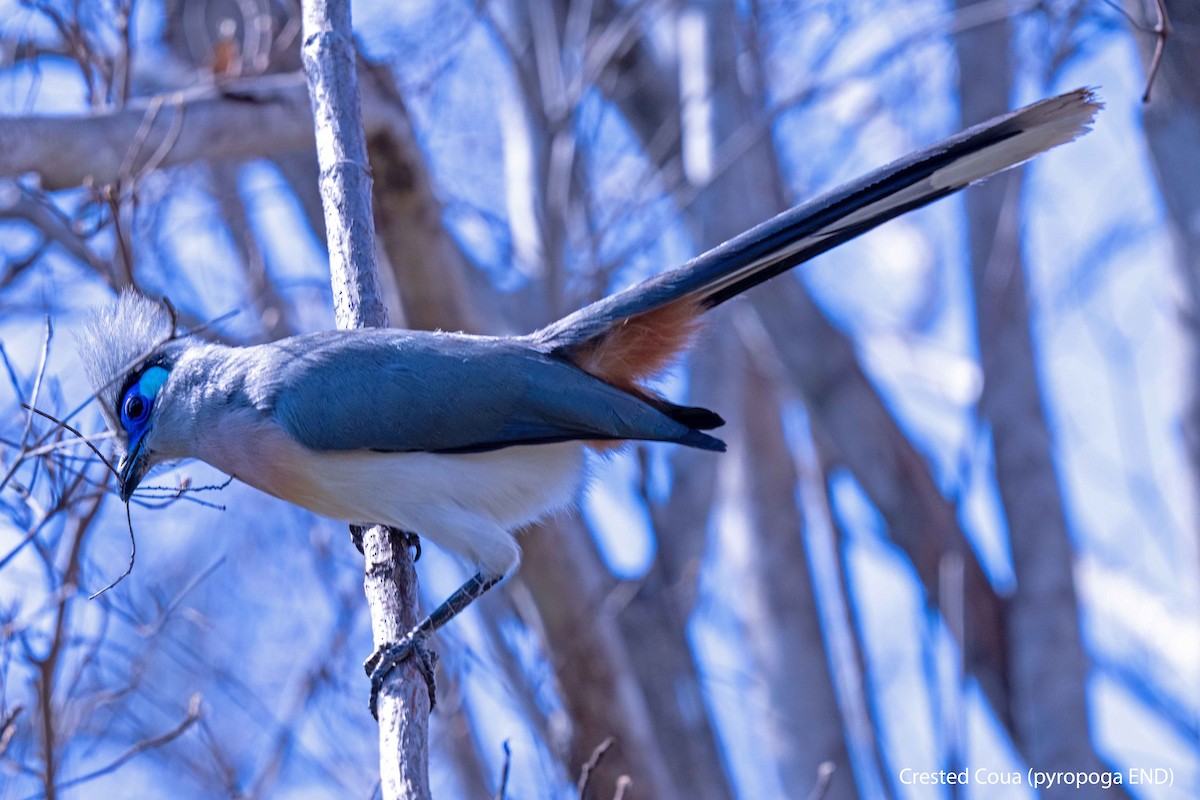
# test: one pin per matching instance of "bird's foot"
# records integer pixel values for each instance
(380, 663)
(356, 536)
(407, 539)
(413, 542)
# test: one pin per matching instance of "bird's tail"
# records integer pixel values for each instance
(632, 335)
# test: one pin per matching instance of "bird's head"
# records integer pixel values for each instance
(128, 350)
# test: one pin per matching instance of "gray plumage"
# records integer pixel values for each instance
(465, 438)
(489, 393)
(383, 390)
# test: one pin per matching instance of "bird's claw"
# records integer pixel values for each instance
(413, 542)
(380, 663)
(409, 539)
(356, 536)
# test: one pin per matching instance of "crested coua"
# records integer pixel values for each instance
(464, 439)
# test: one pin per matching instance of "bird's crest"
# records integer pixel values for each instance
(117, 341)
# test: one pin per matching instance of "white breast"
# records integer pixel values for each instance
(468, 503)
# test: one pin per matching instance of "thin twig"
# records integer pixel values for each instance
(132, 557)
(824, 781)
(168, 494)
(128, 177)
(164, 614)
(139, 138)
(24, 447)
(112, 198)
(585, 774)
(212, 323)
(8, 728)
(173, 494)
(124, 26)
(37, 381)
(193, 715)
(16, 550)
(12, 373)
(503, 789)
(1161, 30)
(52, 448)
(73, 430)
(168, 142)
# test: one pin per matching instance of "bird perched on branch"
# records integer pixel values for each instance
(464, 439)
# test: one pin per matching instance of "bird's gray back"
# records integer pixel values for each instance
(406, 391)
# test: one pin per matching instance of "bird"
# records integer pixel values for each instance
(465, 439)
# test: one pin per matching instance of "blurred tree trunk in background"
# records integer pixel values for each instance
(655, 623)
(1048, 662)
(1171, 122)
(798, 716)
(645, 87)
(799, 721)
(591, 662)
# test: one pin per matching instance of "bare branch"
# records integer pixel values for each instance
(1161, 30)
(193, 715)
(8, 727)
(503, 789)
(242, 119)
(17, 202)
(132, 558)
(585, 772)
(824, 779)
(37, 381)
(72, 430)
(390, 579)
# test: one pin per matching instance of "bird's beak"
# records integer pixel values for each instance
(133, 468)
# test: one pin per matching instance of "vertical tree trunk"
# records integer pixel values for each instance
(803, 728)
(655, 623)
(1048, 664)
(390, 580)
(1171, 122)
(597, 682)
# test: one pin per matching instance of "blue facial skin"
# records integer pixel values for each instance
(135, 419)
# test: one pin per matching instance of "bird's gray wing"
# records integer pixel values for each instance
(405, 391)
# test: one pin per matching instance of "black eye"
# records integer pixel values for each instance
(136, 408)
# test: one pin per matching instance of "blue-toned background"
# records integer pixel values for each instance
(956, 526)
